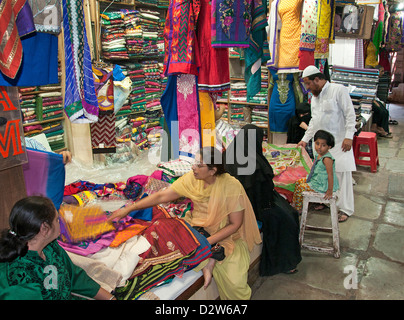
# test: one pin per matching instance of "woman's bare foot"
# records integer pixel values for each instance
(208, 272)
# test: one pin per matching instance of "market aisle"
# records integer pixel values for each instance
(372, 240)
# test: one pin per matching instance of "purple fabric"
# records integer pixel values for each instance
(25, 20)
(45, 175)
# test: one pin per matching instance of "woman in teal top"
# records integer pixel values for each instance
(322, 177)
(32, 264)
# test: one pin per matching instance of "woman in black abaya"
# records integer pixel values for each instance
(245, 161)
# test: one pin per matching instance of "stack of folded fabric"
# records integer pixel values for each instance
(137, 95)
(153, 83)
(133, 33)
(150, 2)
(149, 21)
(237, 113)
(261, 97)
(163, 78)
(238, 91)
(54, 133)
(123, 130)
(163, 4)
(259, 115)
(113, 40)
(139, 136)
(51, 101)
(28, 104)
(160, 38)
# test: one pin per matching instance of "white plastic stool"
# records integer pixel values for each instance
(315, 197)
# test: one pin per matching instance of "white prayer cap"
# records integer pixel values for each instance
(310, 70)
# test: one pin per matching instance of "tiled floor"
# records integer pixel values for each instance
(371, 265)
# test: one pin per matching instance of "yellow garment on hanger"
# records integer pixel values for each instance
(207, 118)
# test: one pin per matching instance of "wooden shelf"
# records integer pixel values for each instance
(43, 121)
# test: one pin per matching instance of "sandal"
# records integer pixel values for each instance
(342, 217)
(388, 135)
(293, 271)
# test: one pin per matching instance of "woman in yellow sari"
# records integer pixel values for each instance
(222, 208)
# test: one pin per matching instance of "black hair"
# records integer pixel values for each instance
(213, 158)
(327, 136)
(26, 219)
(319, 75)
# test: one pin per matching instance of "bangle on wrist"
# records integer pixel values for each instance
(112, 297)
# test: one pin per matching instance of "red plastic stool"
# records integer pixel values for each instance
(368, 138)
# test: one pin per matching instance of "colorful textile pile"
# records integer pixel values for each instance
(289, 164)
(113, 40)
(139, 136)
(51, 102)
(137, 96)
(28, 105)
(175, 249)
(83, 223)
(152, 83)
(162, 246)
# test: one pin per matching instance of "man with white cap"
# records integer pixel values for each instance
(332, 110)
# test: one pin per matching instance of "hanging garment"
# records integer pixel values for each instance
(168, 102)
(181, 48)
(103, 134)
(45, 174)
(188, 115)
(282, 102)
(214, 72)
(104, 87)
(180, 104)
(308, 34)
(81, 104)
(231, 23)
(275, 24)
(325, 28)
(15, 21)
(289, 37)
(207, 113)
(257, 53)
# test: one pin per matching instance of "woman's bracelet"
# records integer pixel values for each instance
(112, 297)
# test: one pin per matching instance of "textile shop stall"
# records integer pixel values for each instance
(140, 257)
(140, 253)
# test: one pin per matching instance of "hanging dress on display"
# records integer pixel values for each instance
(289, 37)
(275, 24)
(181, 48)
(81, 105)
(214, 73)
(231, 23)
(325, 28)
(257, 53)
(308, 34)
(282, 102)
(181, 110)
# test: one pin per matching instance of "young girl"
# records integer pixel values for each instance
(32, 264)
(322, 177)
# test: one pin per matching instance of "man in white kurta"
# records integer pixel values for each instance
(332, 110)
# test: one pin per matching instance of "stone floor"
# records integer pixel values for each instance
(371, 265)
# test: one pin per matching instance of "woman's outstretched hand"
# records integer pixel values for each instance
(119, 214)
